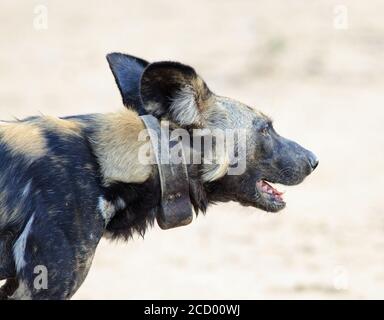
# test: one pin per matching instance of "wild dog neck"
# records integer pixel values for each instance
(115, 141)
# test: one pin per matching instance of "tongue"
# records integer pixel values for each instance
(268, 187)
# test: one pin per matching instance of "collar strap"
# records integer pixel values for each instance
(176, 206)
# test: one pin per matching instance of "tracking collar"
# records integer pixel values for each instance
(176, 206)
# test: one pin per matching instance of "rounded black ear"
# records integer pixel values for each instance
(173, 90)
(127, 71)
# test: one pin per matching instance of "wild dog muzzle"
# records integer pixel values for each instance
(176, 207)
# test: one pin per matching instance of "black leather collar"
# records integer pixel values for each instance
(176, 207)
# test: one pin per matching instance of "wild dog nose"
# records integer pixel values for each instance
(313, 161)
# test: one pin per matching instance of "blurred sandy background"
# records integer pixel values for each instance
(323, 86)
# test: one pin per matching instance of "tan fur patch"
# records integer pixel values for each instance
(116, 145)
(24, 139)
(61, 125)
(202, 94)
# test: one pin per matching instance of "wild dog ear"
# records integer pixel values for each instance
(175, 91)
(127, 71)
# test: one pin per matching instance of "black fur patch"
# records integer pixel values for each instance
(143, 204)
(161, 81)
(127, 71)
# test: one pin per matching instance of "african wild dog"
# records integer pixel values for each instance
(66, 182)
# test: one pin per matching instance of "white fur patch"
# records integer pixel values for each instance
(19, 246)
(120, 204)
(107, 209)
(184, 109)
(26, 189)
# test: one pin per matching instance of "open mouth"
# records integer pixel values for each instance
(269, 193)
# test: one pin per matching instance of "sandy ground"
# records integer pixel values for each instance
(322, 85)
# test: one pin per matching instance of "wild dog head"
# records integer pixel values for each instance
(175, 92)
